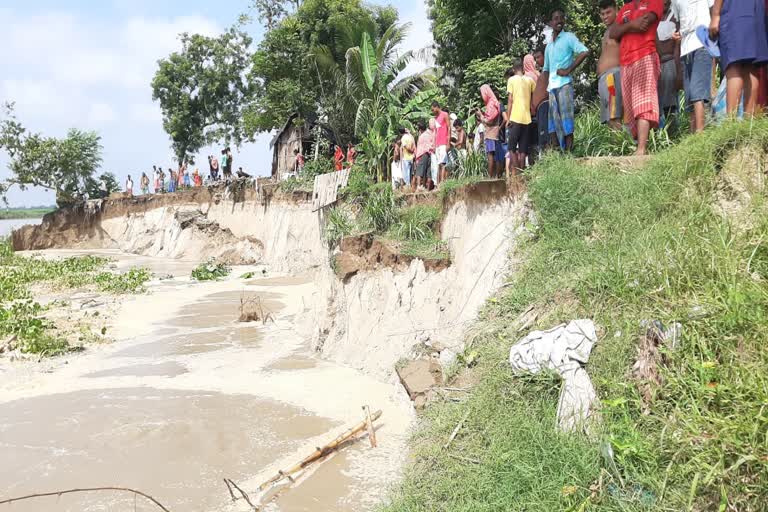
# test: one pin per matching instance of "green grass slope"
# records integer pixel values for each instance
(23, 213)
(620, 246)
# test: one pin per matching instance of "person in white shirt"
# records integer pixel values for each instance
(129, 186)
(695, 59)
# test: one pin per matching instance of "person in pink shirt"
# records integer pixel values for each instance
(423, 157)
(434, 167)
(442, 139)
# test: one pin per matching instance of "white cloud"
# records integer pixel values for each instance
(419, 35)
(420, 32)
(100, 113)
(64, 70)
(145, 113)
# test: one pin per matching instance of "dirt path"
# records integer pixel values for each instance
(187, 396)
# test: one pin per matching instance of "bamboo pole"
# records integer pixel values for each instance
(319, 453)
(369, 426)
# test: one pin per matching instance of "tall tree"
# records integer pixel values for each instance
(466, 31)
(284, 74)
(376, 91)
(270, 12)
(64, 166)
(203, 91)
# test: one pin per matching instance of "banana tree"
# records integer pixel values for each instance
(374, 80)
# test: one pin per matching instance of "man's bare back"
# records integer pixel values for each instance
(609, 56)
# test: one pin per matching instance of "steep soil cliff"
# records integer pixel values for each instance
(369, 320)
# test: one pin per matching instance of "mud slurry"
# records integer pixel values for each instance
(188, 396)
(174, 445)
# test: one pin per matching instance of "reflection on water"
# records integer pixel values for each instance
(8, 225)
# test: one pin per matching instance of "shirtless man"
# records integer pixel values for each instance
(609, 71)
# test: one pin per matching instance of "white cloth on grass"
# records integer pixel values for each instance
(564, 349)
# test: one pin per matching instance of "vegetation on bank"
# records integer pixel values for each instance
(368, 207)
(621, 246)
(210, 270)
(24, 318)
(24, 213)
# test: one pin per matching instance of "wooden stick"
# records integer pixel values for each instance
(369, 425)
(456, 431)
(242, 492)
(229, 488)
(91, 489)
(319, 453)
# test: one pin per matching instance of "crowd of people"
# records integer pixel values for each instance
(161, 182)
(650, 51)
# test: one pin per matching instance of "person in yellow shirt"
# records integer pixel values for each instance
(520, 88)
(408, 148)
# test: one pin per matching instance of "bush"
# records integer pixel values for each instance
(338, 225)
(416, 223)
(323, 165)
(132, 281)
(22, 317)
(24, 321)
(358, 187)
(379, 210)
(210, 271)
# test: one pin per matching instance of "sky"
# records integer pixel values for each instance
(88, 64)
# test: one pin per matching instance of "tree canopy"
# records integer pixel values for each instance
(467, 31)
(64, 166)
(203, 90)
(286, 77)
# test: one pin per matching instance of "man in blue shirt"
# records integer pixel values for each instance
(563, 55)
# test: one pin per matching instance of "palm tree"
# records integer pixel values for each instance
(371, 91)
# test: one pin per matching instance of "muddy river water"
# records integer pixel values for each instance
(187, 396)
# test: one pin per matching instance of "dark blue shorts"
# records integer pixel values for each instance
(501, 151)
(542, 118)
(697, 78)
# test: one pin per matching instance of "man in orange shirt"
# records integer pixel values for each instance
(635, 28)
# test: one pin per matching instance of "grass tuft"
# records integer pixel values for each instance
(339, 224)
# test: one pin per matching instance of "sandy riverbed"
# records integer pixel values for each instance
(186, 396)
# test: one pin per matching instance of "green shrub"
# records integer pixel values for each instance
(358, 187)
(323, 165)
(379, 210)
(338, 225)
(133, 281)
(416, 223)
(22, 317)
(210, 271)
(474, 165)
(24, 320)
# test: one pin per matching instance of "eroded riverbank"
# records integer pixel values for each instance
(187, 396)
